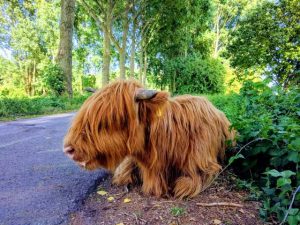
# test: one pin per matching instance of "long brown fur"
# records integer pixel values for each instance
(174, 142)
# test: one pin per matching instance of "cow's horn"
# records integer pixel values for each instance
(144, 94)
(89, 89)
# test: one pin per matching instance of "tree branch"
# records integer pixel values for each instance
(125, 28)
(118, 15)
(100, 7)
(114, 40)
(90, 11)
(220, 204)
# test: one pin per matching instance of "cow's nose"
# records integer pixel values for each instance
(69, 151)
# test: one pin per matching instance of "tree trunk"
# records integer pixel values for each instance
(132, 50)
(122, 54)
(29, 80)
(106, 59)
(64, 56)
(216, 47)
(144, 82)
(122, 50)
(141, 59)
(174, 82)
(33, 78)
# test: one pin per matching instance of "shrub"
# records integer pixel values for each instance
(89, 81)
(268, 118)
(195, 74)
(54, 79)
(228, 103)
(15, 107)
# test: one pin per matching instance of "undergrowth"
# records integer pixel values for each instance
(268, 117)
(11, 108)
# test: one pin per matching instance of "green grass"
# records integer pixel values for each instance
(177, 211)
(12, 108)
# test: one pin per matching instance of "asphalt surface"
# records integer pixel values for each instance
(38, 183)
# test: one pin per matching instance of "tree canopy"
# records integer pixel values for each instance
(161, 43)
(267, 38)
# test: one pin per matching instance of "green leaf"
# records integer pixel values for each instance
(293, 156)
(273, 173)
(293, 220)
(269, 191)
(233, 158)
(287, 173)
(296, 144)
(283, 181)
(293, 212)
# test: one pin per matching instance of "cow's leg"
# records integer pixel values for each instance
(193, 181)
(187, 186)
(123, 175)
(153, 182)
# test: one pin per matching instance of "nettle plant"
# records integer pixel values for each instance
(268, 117)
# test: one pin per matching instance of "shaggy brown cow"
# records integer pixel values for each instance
(174, 142)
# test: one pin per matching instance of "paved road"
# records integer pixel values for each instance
(38, 183)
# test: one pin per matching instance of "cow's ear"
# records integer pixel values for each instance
(151, 103)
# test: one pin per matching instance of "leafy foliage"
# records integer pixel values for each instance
(89, 81)
(268, 38)
(29, 34)
(180, 34)
(195, 74)
(269, 118)
(54, 79)
(16, 107)
(11, 82)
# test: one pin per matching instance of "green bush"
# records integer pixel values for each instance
(16, 107)
(229, 103)
(268, 118)
(54, 79)
(195, 74)
(89, 81)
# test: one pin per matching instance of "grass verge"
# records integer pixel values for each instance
(13, 108)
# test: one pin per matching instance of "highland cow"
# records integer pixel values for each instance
(174, 143)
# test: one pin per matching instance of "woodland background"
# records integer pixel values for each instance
(243, 55)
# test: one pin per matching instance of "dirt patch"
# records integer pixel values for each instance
(114, 205)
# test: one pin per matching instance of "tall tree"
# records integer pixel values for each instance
(226, 17)
(122, 12)
(180, 31)
(134, 21)
(29, 32)
(64, 56)
(112, 19)
(268, 39)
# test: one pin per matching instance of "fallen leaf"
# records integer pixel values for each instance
(173, 223)
(216, 221)
(110, 199)
(192, 219)
(126, 200)
(101, 192)
(242, 211)
(240, 196)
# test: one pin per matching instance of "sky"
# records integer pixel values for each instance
(5, 53)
